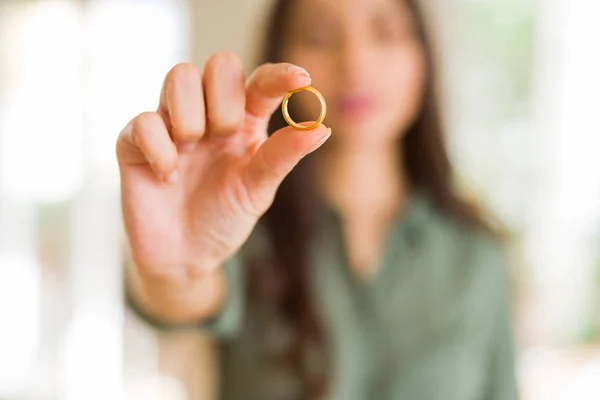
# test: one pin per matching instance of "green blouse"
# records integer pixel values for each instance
(433, 324)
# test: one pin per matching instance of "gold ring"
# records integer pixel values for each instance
(286, 113)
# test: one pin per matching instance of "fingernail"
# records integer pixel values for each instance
(321, 141)
(294, 69)
(173, 177)
(325, 137)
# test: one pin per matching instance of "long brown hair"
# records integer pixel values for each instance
(292, 220)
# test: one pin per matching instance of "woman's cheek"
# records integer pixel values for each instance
(406, 83)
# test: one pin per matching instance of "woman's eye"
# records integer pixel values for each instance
(316, 33)
(388, 33)
(318, 39)
(388, 30)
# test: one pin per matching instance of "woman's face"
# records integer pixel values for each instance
(367, 60)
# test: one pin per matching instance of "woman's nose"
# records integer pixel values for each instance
(353, 59)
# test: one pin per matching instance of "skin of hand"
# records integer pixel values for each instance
(197, 174)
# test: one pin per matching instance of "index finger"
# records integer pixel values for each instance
(269, 83)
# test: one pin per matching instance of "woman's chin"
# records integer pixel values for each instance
(365, 133)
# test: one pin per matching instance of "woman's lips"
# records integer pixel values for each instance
(355, 106)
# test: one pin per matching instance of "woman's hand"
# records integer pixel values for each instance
(197, 174)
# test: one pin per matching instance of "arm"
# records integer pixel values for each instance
(213, 303)
(196, 176)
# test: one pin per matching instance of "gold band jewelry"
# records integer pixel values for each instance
(286, 113)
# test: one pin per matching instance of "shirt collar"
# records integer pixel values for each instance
(409, 224)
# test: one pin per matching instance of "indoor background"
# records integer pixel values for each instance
(521, 87)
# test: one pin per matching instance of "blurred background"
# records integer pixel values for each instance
(521, 87)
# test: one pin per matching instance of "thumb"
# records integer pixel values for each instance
(276, 158)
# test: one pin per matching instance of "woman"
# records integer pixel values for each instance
(355, 272)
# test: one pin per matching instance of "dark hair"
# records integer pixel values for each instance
(292, 220)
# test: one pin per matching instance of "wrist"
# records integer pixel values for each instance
(179, 297)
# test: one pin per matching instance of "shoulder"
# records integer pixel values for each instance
(476, 242)
(470, 255)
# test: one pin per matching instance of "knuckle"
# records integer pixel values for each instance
(224, 61)
(182, 73)
(143, 124)
(265, 80)
(126, 132)
(263, 71)
(260, 71)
